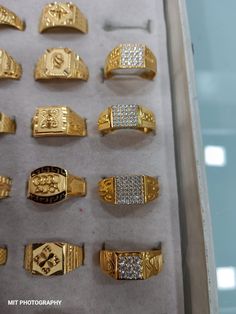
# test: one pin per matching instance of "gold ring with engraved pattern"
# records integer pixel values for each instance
(50, 184)
(5, 187)
(9, 68)
(129, 190)
(131, 265)
(131, 59)
(58, 121)
(61, 63)
(62, 15)
(3, 256)
(52, 258)
(8, 17)
(126, 117)
(7, 125)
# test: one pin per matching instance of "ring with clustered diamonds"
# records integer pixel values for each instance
(126, 117)
(9, 68)
(7, 124)
(131, 265)
(52, 258)
(61, 63)
(5, 186)
(129, 190)
(62, 15)
(131, 59)
(9, 18)
(3, 255)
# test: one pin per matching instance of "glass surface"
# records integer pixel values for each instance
(213, 25)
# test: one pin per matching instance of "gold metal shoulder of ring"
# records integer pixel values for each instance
(129, 189)
(126, 117)
(5, 187)
(9, 68)
(8, 17)
(61, 63)
(52, 258)
(62, 15)
(131, 265)
(58, 121)
(7, 124)
(51, 184)
(3, 256)
(131, 59)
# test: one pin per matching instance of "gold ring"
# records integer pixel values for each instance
(60, 63)
(5, 187)
(131, 265)
(9, 68)
(59, 14)
(3, 256)
(52, 258)
(129, 190)
(126, 117)
(8, 17)
(131, 59)
(50, 184)
(58, 121)
(7, 125)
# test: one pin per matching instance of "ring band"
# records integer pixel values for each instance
(52, 258)
(131, 265)
(61, 63)
(8, 17)
(3, 256)
(66, 15)
(131, 59)
(58, 121)
(129, 190)
(7, 125)
(50, 184)
(5, 187)
(126, 117)
(9, 68)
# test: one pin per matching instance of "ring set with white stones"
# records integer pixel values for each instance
(130, 267)
(133, 55)
(129, 190)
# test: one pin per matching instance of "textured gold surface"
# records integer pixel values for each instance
(62, 15)
(7, 125)
(8, 17)
(152, 262)
(9, 68)
(47, 259)
(58, 121)
(5, 186)
(60, 63)
(3, 256)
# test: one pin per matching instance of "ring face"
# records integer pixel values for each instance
(47, 185)
(7, 17)
(9, 68)
(7, 125)
(3, 256)
(66, 15)
(5, 186)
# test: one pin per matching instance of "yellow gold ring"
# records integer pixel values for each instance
(126, 117)
(5, 187)
(129, 190)
(131, 59)
(62, 15)
(8, 17)
(7, 125)
(9, 68)
(50, 184)
(131, 265)
(61, 63)
(3, 256)
(52, 258)
(58, 121)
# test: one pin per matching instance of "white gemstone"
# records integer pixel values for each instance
(125, 116)
(132, 55)
(129, 190)
(130, 267)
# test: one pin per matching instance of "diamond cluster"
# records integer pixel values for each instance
(132, 55)
(130, 267)
(125, 116)
(129, 190)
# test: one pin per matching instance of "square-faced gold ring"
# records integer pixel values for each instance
(58, 121)
(61, 63)
(8, 17)
(5, 187)
(9, 68)
(131, 265)
(129, 190)
(126, 117)
(52, 258)
(51, 184)
(62, 15)
(3, 256)
(131, 59)
(7, 124)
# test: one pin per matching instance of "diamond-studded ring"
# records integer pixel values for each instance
(52, 258)
(129, 190)
(131, 59)
(126, 117)
(131, 265)
(3, 256)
